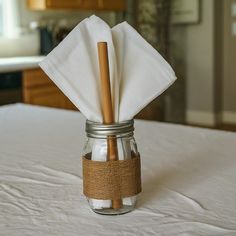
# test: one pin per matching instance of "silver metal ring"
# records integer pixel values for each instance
(121, 129)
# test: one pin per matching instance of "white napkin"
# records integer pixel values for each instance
(138, 74)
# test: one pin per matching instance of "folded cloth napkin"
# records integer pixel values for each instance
(138, 74)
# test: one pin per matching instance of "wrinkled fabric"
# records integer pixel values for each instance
(188, 178)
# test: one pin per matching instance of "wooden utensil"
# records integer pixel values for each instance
(107, 110)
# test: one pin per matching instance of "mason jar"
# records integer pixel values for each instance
(111, 163)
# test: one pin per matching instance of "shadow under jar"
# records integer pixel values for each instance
(111, 168)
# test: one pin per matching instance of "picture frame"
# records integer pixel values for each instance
(185, 11)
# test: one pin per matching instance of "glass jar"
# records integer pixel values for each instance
(98, 147)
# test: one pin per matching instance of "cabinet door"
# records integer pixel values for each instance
(70, 4)
(35, 78)
(47, 96)
(117, 5)
(36, 4)
(38, 89)
(113, 5)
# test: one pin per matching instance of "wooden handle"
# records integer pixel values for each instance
(107, 110)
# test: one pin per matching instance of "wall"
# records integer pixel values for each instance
(200, 68)
(229, 65)
(28, 42)
(175, 97)
(208, 57)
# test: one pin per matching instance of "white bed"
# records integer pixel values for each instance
(188, 175)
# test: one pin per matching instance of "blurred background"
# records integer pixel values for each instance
(197, 37)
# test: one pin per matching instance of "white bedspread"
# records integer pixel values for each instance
(188, 174)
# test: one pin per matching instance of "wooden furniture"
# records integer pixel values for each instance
(117, 5)
(38, 89)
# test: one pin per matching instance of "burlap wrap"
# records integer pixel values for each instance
(111, 179)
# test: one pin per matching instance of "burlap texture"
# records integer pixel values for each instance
(111, 179)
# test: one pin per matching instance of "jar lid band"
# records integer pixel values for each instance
(121, 129)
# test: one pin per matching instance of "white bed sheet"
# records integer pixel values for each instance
(188, 175)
